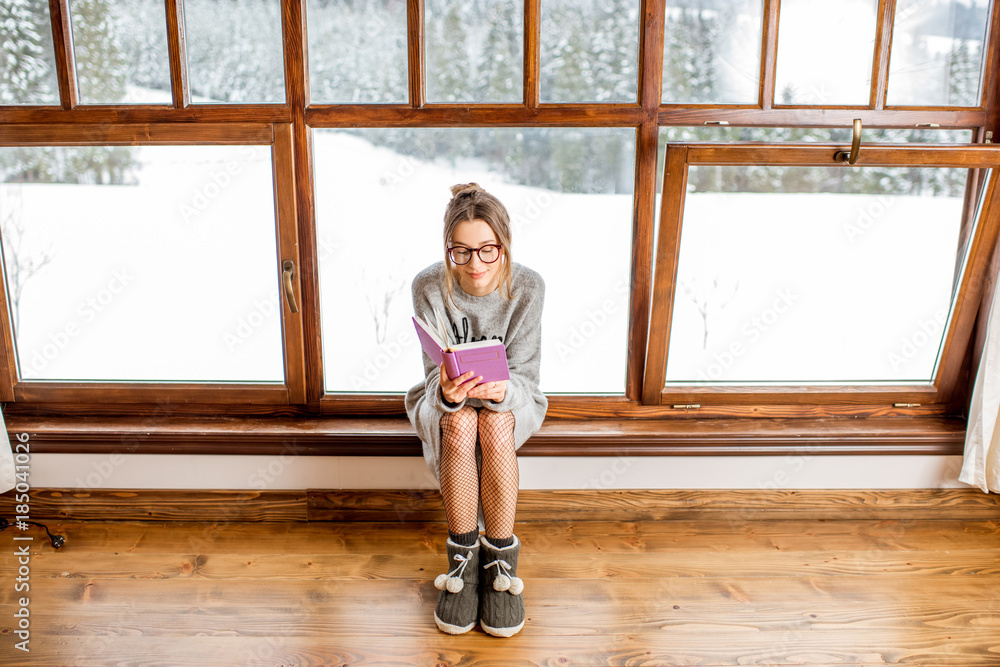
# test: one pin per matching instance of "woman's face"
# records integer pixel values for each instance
(477, 277)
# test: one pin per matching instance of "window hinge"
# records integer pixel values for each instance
(716, 122)
(932, 125)
(906, 405)
(687, 406)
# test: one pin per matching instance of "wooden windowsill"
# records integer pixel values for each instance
(393, 436)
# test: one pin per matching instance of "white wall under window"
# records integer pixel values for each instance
(170, 471)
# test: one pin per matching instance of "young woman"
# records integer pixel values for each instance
(472, 430)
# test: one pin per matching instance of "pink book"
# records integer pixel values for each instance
(484, 357)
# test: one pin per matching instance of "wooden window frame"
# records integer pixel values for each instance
(932, 397)
(576, 424)
(278, 136)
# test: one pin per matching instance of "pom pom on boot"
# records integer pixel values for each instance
(501, 607)
(457, 607)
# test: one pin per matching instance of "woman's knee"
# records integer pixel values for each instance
(459, 428)
(464, 419)
(503, 421)
(496, 429)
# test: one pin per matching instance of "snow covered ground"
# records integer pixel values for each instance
(146, 281)
(176, 277)
(813, 287)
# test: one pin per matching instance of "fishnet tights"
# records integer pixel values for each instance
(460, 484)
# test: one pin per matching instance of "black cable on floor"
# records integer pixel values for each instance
(56, 540)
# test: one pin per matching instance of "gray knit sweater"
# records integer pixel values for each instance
(517, 322)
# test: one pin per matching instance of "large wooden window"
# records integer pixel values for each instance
(834, 284)
(222, 210)
(152, 271)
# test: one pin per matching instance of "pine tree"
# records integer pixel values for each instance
(23, 67)
(143, 44)
(501, 70)
(612, 51)
(25, 78)
(386, 66)
(446, 46)
(675, 57)
(705, 31)
(100, 64)
(565, 76)
(101, 69)
(964, 73)
(234, 51)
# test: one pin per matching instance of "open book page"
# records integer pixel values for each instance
(483, 357)
(430, 340)
(444, 330)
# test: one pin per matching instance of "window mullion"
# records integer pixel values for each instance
(532, 57)
(651, 36)
(176, 42)
(62, 41)
(880, 61)
(769, 53)
(667, 251)
(644, 208)
(293, 330)
(415, 44)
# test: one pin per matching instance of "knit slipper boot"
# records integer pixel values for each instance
(501, 607)
(458, 604)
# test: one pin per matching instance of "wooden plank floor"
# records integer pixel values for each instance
(704, 592)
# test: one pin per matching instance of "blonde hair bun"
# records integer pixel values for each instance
(465, 187)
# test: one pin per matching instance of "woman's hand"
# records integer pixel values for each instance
(493, 391)
(455, 391)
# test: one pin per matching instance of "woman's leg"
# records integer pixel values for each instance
(500, 475)
(459, 478)
(457, 608)
(501, 607)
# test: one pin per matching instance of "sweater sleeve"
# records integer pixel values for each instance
(524, 348)
(432, 374)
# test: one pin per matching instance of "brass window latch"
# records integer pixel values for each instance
(852, 156)
(287, 272)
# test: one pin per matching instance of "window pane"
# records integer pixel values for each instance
(711, 53)
(475, 51)
(568, 191)
(357, 51)
(826, 275)
(121, 51)
(937, 52)
(27, 58)
(157, 265)
(682, 134)
(234, 51)
(589, 51)
(825, 52)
